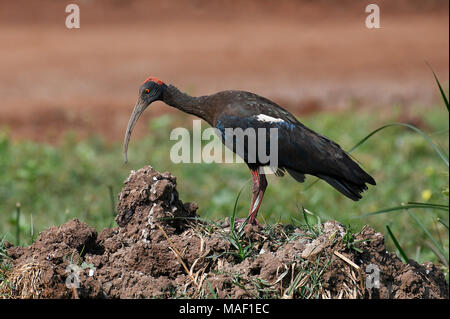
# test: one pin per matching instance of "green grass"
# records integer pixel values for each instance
(54, 183)
(4, 265)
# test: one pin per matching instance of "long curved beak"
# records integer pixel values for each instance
(137, 111)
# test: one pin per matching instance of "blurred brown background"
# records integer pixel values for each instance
(305, 55)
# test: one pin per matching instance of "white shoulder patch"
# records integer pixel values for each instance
(267, 118)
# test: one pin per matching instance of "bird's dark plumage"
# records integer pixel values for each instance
(300, 150)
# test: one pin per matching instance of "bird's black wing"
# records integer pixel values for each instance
(300, 149)
(305, 151)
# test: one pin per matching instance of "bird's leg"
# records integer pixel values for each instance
(258, 189)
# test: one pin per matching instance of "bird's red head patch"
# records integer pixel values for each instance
(154, 79)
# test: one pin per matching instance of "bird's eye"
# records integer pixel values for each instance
(147, 91)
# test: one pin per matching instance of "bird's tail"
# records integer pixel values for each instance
(349, 189)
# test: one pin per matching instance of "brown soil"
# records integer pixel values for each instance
(306, 55)
(161, 249)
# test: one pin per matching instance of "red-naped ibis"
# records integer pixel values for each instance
(300, 150)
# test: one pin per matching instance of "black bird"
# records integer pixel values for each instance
(300, 150)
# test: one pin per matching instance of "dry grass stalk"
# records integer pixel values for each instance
(351, 263)
(25, 281)
(179, 258)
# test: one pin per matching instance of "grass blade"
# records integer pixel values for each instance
(212, 290)
(402, 207)
(402, 253)
(429, 205)
(111, 200)
(31, 228)
(412, 127)
(444, 223)
(444, 98)
(18, 224)
(433, 240)
(305, 216)
(3, 254)
(233, 216)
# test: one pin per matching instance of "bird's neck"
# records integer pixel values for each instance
(184, 102)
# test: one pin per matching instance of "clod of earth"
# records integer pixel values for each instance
(162, 249)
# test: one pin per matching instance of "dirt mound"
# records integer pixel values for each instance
(163, 249)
